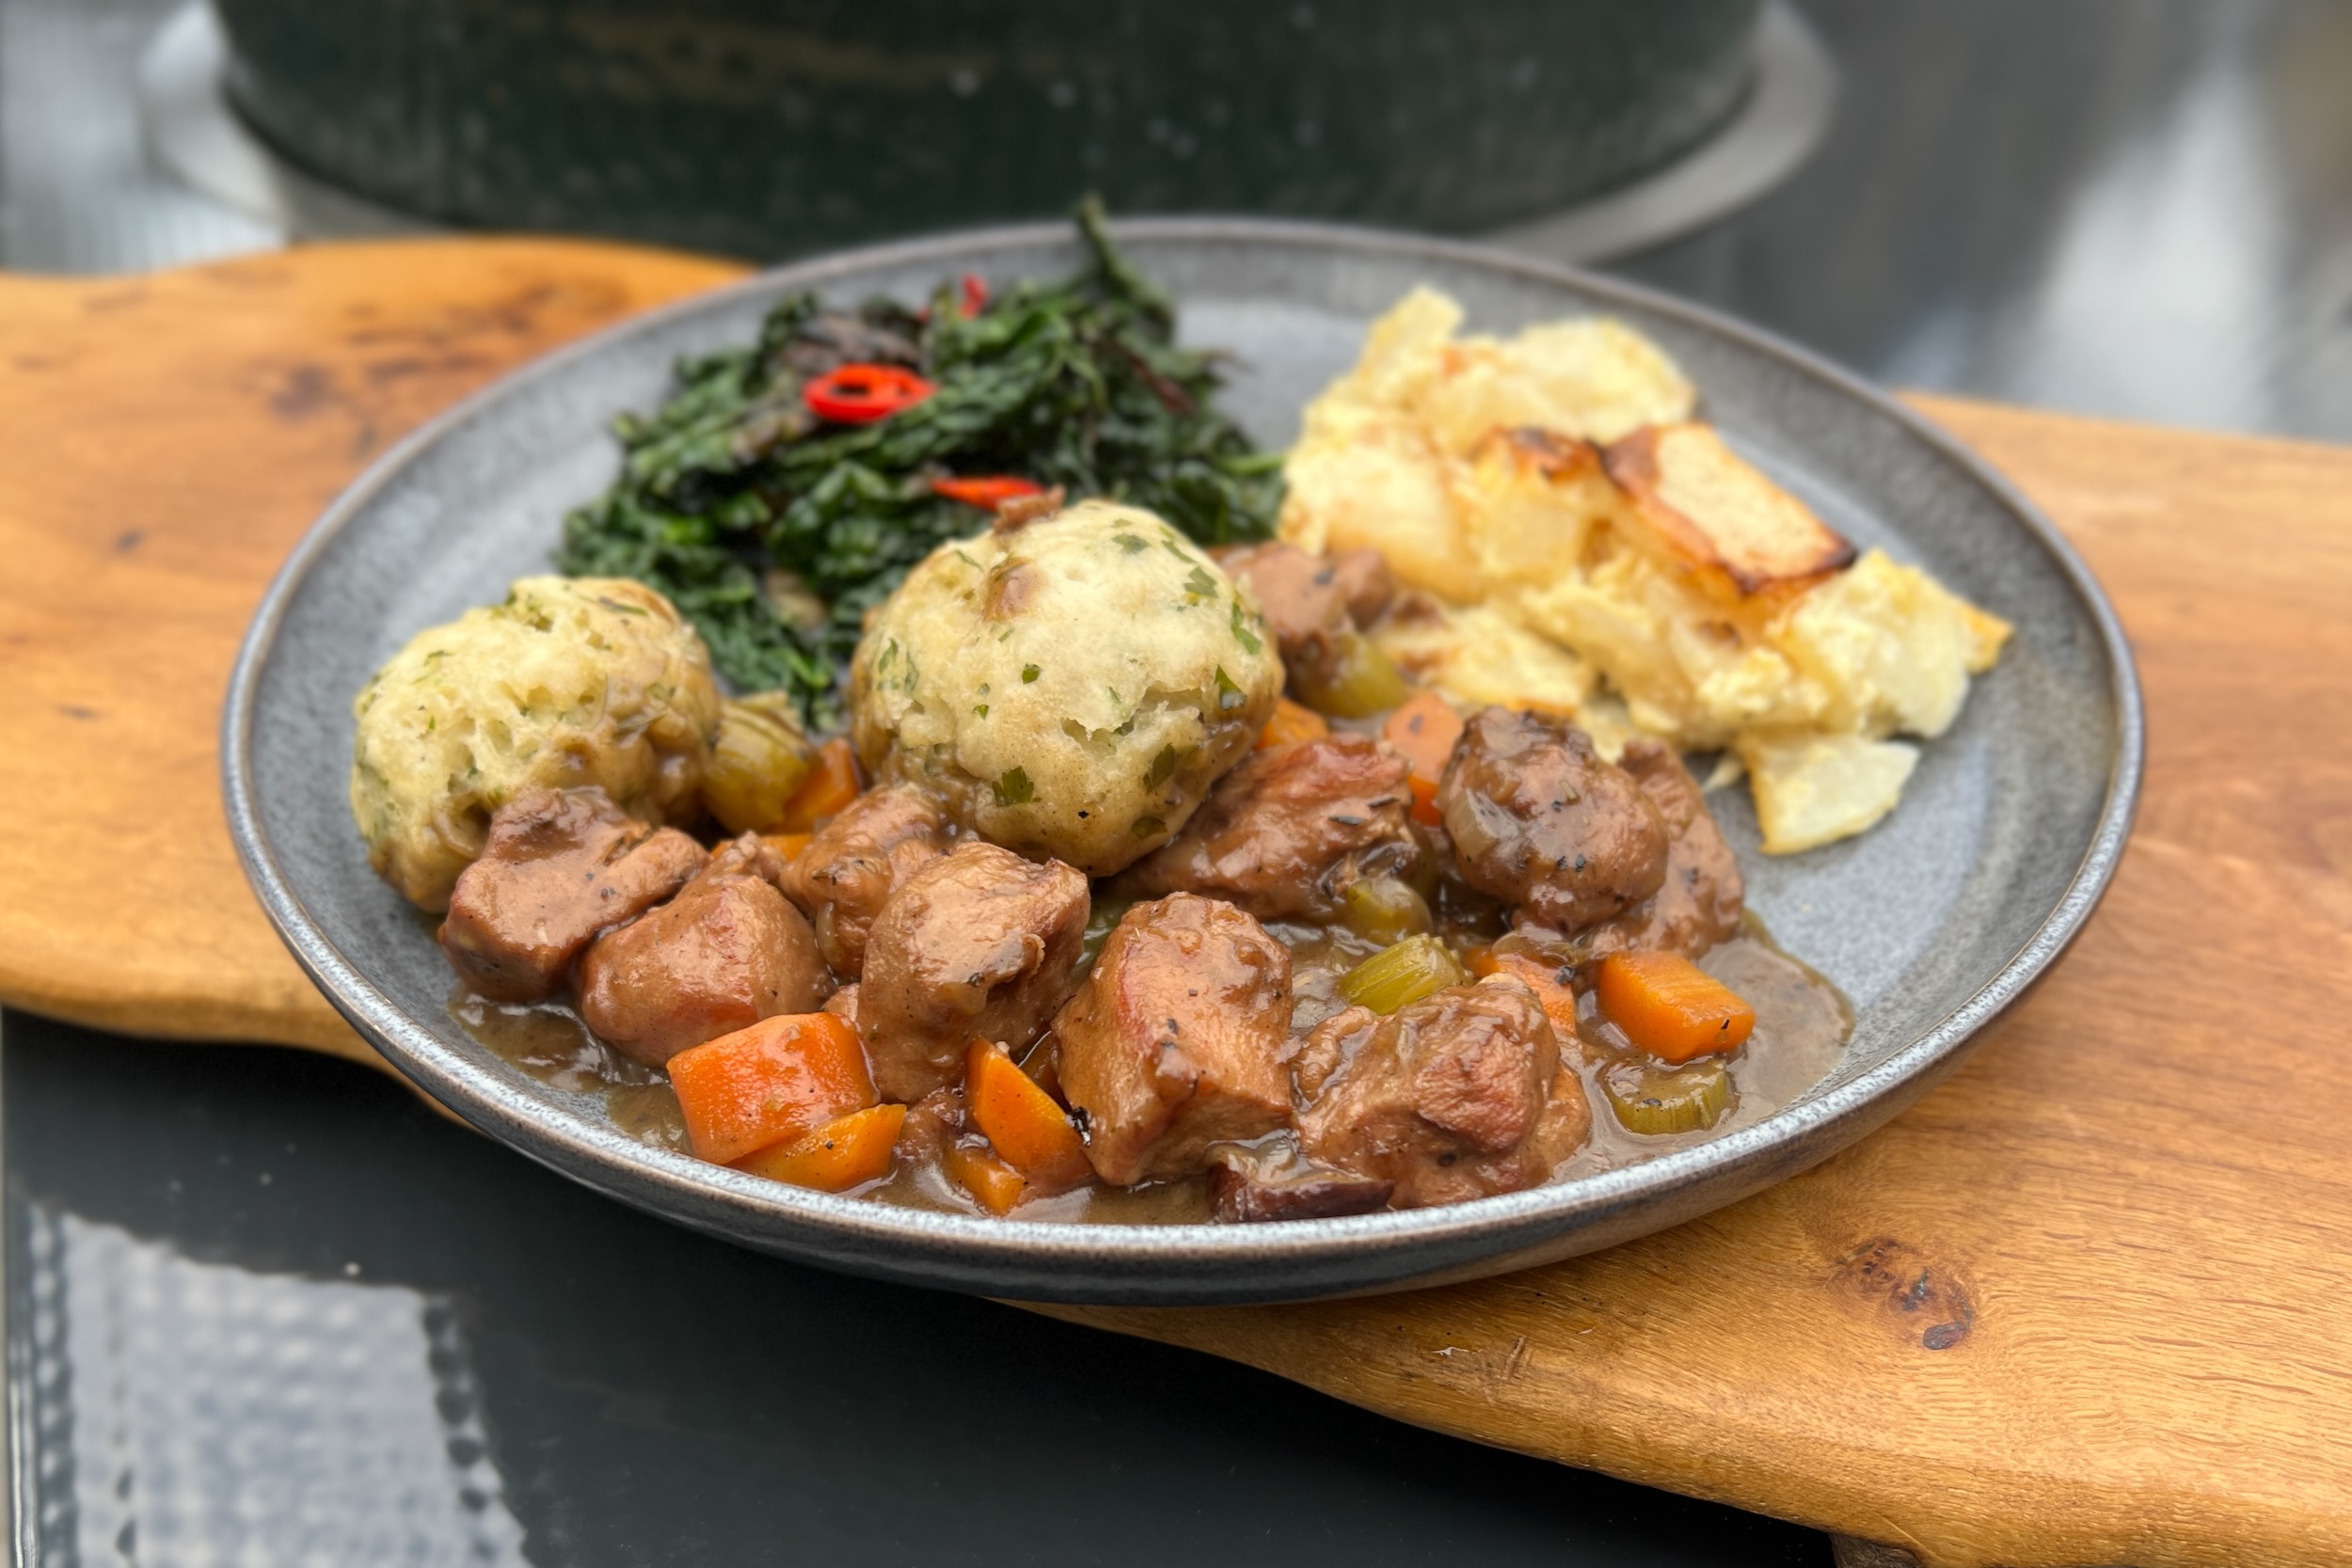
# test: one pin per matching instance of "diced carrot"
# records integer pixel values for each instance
(1544, 980)
(1424, 806)
(1480, 961)
(829, 788)
(982, 1172)
(768, 1083)
(1424, 730)
(1292, 721)
(1670, 1007)
(845, 1152)
(1021, 1122)
(787, 844)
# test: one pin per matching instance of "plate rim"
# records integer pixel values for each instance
(857, 1233)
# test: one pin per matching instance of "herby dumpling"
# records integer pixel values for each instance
(571, 681)
(1073, 685)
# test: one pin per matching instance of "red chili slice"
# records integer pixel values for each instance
(975, 293)
(986, 491)
(859, 394)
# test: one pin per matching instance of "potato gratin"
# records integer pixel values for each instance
(1582, 546)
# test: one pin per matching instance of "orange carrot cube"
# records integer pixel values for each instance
(770, 1083)
(1670, 1007)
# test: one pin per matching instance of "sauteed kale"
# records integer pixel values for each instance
(774, 527)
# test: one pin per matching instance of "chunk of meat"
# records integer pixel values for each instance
(728, 951)
(848, 872)
(1460, 1095)
(1698, 905)
(934, 1124)
(1175, 1041)
(1540, 822)
(1364, 581)
(977, 945)
(843, 1004)
(1270, 1179)
(1311, 602)
(560, 865)
(1282, 835)
(749, 855)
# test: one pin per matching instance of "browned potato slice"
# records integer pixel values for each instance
(1528, 500)
(1706, 508)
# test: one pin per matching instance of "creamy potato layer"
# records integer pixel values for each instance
(1585, 546)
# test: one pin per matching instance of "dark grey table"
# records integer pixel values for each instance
(265, 1307)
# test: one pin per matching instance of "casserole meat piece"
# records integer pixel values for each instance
(560, 865)
(1284, 834)
(1458, 1096)
(1699, 902)
(1312, 602)
(1538, 820)
(1175, 1041)
(978, 944)
(1270, 1179)
(848, 872)
(728, 951)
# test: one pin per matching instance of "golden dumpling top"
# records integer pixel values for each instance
(571, 681)
(1073, 685)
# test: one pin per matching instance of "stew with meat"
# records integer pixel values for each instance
(1394, 956)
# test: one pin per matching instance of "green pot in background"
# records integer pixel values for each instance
(768, 129)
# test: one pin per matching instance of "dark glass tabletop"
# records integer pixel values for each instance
(263, 1308)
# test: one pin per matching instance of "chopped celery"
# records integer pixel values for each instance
(1654, 1101)
(1360, 683)
(1385, 909)
(1400, 976)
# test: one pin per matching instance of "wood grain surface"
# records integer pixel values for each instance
(2079, 1306)
(167, 439)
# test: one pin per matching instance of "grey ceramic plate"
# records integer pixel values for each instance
(1932, 923)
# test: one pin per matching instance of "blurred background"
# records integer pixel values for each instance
(377, 1338)
(2136, 208)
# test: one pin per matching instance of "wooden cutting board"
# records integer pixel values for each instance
(2082, 1306)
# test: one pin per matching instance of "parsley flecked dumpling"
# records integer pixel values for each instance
(570, 682)
(1073, 685)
